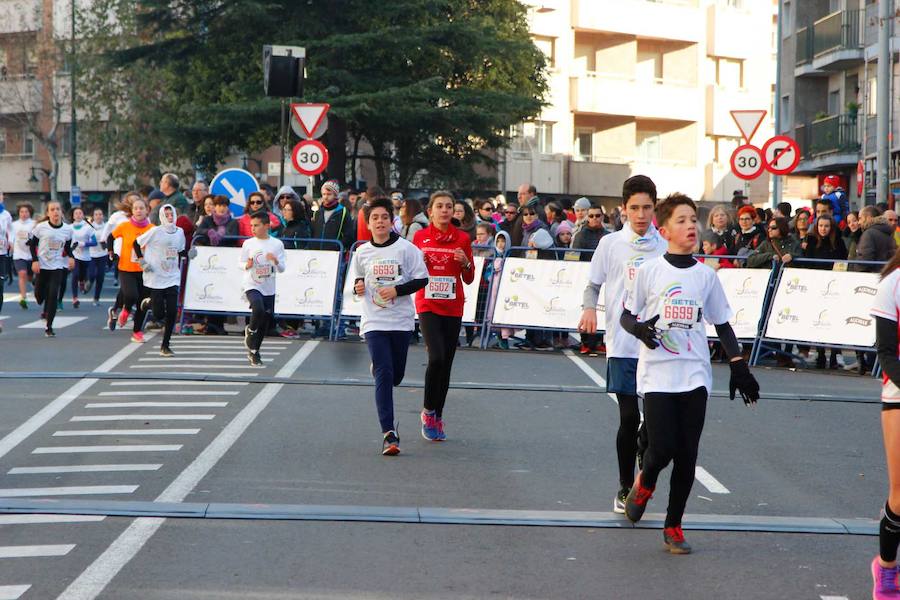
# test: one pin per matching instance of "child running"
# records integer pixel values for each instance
(674, 374)
(614, 265)
(21, 232)
(160, 250)
(122, 214)
(261, 256)
(82, 234)
(387, 270)
(886, 309)
(448, 256)
(98, 256)
(51, 255)
(130, 277)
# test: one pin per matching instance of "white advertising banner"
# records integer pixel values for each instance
(308, 283)
(826, 307)
(543, 293)
(214, 281)
(352, 304)
(746, 293)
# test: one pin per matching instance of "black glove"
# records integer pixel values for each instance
(647, 333)
(743, 381)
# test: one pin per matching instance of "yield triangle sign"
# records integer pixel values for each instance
(748, 121)
(309, 116)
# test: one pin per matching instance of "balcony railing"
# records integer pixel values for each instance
(839, 133)
(804, 46)
(837, 31)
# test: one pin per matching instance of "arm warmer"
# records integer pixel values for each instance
(728, 340)
(33, 244)
(70, 245)
(137, 249)
(411, 287)
(591, 296)
(110, 242)
(886, 336)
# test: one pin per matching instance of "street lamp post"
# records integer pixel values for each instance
(74, 126)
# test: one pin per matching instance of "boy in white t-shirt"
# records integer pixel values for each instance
(261, 257)
(674, 375)
(388, 270)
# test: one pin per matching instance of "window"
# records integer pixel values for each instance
(649, 146)
(649, 63)
(834, 6)
(834, 102)
(63, 139)
(31, 61)
(547, 45)
(27, 143)
(787, 118)
(543, 133)
(872, 96)
(2, 141)
(584, 144)
(785, 13)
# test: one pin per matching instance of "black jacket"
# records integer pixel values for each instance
(587, 239)
(825, 251)
(298, 228)
(876, 243)
(340, 226)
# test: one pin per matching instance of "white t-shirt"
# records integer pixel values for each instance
(383, 266)
(21, 231)
(682, 298)
(97, 250)
(81, 233)
(886, 306)
(6, 236)
(161, 249)
(115, 219)
(614, 265)
(51, 243)
(261, 276)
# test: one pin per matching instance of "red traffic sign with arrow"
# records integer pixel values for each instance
(310, 157)
(782, 155)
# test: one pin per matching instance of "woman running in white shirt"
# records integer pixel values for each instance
(21, 232)
(51, 253)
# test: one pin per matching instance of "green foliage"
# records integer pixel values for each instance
(431, 84)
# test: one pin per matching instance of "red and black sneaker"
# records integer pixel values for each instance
(673, 538)
(584, 350)
(636, 502)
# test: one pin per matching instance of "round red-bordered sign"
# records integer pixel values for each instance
(747, 162)
(782, 155)
(310, 157)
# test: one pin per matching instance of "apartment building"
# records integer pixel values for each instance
(828, 91)
(34, 92)
(646, 86)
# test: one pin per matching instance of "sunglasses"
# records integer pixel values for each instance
(529, 214)
(773, 227)
(509, 212)
(595, 216)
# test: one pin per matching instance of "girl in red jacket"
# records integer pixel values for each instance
(448, 256)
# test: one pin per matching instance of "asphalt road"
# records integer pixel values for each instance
(528, 432)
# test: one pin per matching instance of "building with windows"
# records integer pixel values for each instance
(646, 86)
(829, 89)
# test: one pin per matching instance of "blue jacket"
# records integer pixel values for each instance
(840, 204)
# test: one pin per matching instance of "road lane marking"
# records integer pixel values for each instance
(35, 551)
(86, 449)
(156, 405)
(82, 469)
(43, 416)
(104, 432)
(45, 519)
(709, 482)
(226, 341)
(176, 382)
(90, 418)
(13, 592)
(590, 372)
(171, 393)
(92, 581)
(221, 353)
(73, 490)
(58, 323)
(193, 361)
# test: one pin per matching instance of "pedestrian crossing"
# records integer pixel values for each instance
(58, 323)
(121, 419)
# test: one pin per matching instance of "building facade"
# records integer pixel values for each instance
(646, 86)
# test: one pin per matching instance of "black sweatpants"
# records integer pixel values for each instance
(441, 335)
(674, 425)
(627, 437)
(46, 291)
(133, 291)
(262, 312)
(79, 275)
(164, 304)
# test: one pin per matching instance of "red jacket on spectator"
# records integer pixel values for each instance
(724, 263)
(437, 247)
(362, 228)
(244, 224)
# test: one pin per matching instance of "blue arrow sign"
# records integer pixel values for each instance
(236, 184)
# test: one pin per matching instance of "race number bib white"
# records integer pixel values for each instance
(680, 314)
(22, 235)
(53, 249)
(3, 244)
(170, 261)
(441, 288)
(261, 269)
(384, 272)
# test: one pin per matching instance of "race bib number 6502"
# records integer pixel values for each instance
(441, 288)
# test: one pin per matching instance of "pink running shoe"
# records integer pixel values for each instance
(885, 582)
(137, 336)
(123, 318)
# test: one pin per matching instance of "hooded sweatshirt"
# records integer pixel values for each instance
(876, 243)
(160, 249)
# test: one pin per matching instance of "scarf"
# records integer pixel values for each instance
(649, 242)
(168, 226)
(218, 232)
(534, 226)
(443, 237)
(329, 205)
(142, 223)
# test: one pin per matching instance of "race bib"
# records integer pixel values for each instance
(53, 249)
(171, 259)
(679, 313)
(22, 235)
(441, 288)
(3, 244)
(531, 254)
(384, 272)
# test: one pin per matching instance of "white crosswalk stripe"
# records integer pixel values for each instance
(82, 469)
(48, 519)
(90, 449)
(177, 382)
(156, 405)
(91, 418)
(13, 592)
(170, 393)
(79, 490)
(58, 323)
(35, 551)
(103, 432)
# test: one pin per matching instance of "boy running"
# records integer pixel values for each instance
(261, 256)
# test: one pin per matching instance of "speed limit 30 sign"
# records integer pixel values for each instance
(747, 162)
(310, 157)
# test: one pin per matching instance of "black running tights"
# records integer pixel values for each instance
(627, 437)
(164, 304)
(441, 334)
(133, 291)
(262, 313)
(674, 425)
(46, 291)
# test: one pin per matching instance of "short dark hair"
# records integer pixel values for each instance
(666, 208)
(784, 208)
(374, 192)
(260, 215)
(382, 202)
(26, 205)
(826, 203)
(221, 200)
(260, 195)
(781, 223)
(638, 184)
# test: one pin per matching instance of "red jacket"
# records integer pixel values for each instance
(362, 228)
(244, 225)
(724, 263)
(437, 248)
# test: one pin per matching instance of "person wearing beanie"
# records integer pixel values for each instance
(563, 238)
(332, 221)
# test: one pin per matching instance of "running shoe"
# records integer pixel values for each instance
(137, 336)
(87, 287)
(23, 303)
(145, 304)
(429, 427)
(288, 333)
(636, 502)
(59, 305)
(95, 303)
(441, 437)
(247, 335)
(583, 350)
(76, 303)
(601, 348)
(673, 539)
(619, 501)
(885, 585)
(111, 318)
(49, 332)
(391, 444)
(255, 359)
(123, 318)
(166, 351)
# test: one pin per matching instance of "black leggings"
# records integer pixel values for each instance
(46, 291)
(79, 275)
(164, 304)
(674, 425)
(96, 274)
(133, 291)
(441, 334)
(627, 437)
(262, 312)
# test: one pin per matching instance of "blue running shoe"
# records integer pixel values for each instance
(440, 429)
(429, 427)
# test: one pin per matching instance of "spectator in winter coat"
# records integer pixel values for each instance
(296, 225)
(563, 238)
(214, 228)
(256, 202)
(589, 235)
(749, 235)
(877, 240)
(852, 233)
(825, 242)
(412, 218)
(712, 245)
(719, 223)
(834, 194)
(779, 247)
(581, 207)
(465, 218)
(333, 221)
